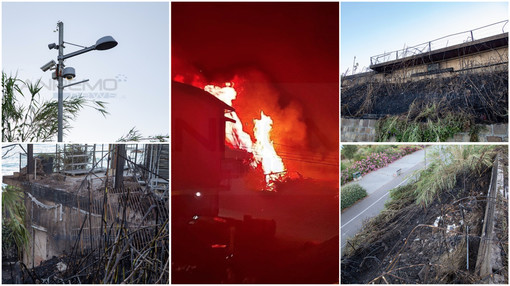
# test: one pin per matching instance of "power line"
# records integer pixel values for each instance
(314, 162)
(297, 157)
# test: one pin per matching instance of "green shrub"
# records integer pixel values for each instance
(446, 163)
(430, 123)
(401, 196)
(351, 194)
(359, 157)
(348, 151)
(383, 148)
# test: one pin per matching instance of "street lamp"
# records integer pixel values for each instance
(61, 72)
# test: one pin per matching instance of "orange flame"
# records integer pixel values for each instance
(235, 134)
(263, 150)
(265, 153)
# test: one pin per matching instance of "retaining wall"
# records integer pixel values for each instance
(489, 251)
(363, 130)
(357, 130)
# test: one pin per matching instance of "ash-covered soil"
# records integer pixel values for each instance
(406, 248)
(482, 96)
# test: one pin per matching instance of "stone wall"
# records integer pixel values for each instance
(491, 133)
(363, 130)
(357, 130)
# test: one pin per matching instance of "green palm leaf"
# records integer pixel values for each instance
(37, 120)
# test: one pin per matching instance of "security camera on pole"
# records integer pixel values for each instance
(61, 72)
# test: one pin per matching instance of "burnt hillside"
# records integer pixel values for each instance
(481, 96)
(410, 243)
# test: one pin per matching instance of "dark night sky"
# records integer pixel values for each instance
(288, 51)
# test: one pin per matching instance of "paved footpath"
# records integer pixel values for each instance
(378, 184)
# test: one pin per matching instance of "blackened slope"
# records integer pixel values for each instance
(405, 244)
(482, 96)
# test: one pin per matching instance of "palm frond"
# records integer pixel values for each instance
(13, 207)
(37, 120)
(133, 135)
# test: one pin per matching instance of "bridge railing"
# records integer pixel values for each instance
(443, 42)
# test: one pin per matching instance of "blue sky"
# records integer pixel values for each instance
(372, 28)
(132, 77)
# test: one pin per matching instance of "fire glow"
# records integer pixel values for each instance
(236, 136)
(262, 149)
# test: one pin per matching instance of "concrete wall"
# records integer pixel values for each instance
(492, 133)
(477, 62)
(54, 221)
(363, 130)
(482, 62)
(489, 250)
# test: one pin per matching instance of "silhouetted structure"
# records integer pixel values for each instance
(198, 150)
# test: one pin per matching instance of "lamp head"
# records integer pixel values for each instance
(105, 43)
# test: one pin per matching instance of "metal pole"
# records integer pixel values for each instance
(119, 166)
(136, 153)
(425, 156)
(60, 80)
(30, 158)
(467, 245)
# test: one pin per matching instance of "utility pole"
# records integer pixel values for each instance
(104, 43)
(60, 67)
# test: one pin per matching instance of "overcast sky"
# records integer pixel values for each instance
(372, 28)
(132, 77)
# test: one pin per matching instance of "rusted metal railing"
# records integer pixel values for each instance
(443, 42)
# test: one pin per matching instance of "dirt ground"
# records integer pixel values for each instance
(484, 97)
(425, 244)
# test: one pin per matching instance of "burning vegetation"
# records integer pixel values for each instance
(254, 154)
(224, 228)
(262, 150)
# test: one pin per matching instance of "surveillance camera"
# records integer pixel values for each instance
(69, 73)
(49, 65)
(52, 46)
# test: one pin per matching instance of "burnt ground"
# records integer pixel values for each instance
(73, 268)
(16, 272)
(483, 97)
(401, 246)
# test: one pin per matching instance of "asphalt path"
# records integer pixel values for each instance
(378, 184)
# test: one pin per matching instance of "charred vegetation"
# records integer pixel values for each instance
(459, 102)
(434, 242)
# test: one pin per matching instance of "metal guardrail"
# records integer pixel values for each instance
(62, 159)
(443, 42)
